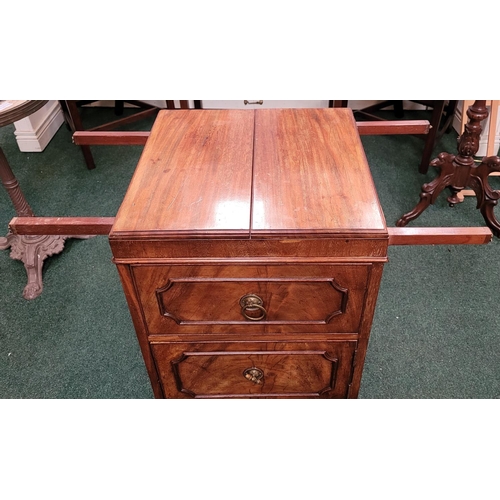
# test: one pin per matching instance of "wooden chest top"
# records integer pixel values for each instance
(251, 174)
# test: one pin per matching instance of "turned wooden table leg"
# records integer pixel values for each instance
(460, 171)
(11, 185)
(31, 250)
(13, 190)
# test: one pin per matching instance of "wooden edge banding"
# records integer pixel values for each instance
(394, 127)
(103, 138)
(439, 235)
(19, 110)
(65, 226)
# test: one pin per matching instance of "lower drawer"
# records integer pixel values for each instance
(255, 369)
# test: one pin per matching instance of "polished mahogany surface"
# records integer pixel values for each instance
(204, 299)
(289, 369)
(194, 176)
(223, 173)
(311, 175)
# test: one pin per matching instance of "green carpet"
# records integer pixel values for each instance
(436, 327)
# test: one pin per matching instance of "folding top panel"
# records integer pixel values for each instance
(311, 175)
(194, 176)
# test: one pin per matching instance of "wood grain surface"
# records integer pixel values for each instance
(290, 369)
(311, 175)
(194, 176)
(206, 298)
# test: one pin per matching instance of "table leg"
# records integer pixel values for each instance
(460, 171)
(31, 250)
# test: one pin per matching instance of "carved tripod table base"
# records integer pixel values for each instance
(458, 172)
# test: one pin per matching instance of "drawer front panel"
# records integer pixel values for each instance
(225, 299)
(226, 370)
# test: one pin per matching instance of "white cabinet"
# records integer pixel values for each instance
(262, 103)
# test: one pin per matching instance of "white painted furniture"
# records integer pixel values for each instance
(34, 132)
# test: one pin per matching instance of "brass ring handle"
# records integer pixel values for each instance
(253, 102)
(251, 318)
(250, 303)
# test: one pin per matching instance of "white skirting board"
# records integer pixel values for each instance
(34, 132)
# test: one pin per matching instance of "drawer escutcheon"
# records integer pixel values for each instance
(254, 374)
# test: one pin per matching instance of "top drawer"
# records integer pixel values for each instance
(252, 298)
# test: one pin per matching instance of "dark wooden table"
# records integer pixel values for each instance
(32, 250)
(460, 171)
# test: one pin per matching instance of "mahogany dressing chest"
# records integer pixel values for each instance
(250, 246)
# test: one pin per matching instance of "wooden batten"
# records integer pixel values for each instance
(439, 235)
(105, 138)
(65, 226)
(394, 127)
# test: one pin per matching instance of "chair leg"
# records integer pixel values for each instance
(76, 124)
(119, 106)
(430, 140)
(337, 104)
(398, 109)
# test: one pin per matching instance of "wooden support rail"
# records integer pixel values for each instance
(64, 226)
(77, 226)
(394, 127)
(104, 138)
(126, 138)
(439, 235)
